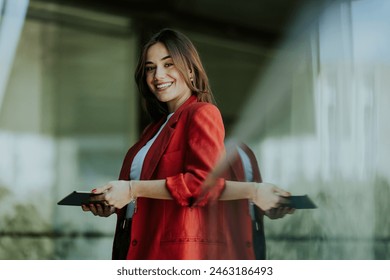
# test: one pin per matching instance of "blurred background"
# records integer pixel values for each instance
(304, 83)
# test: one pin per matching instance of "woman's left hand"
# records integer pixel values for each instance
(116, 193)
(268, 196)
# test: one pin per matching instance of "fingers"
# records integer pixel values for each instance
(104, 210)
(107, 194)
(278, 201)
(99, 209)
(101, 197)
(90, 207)
(272, 199)
(102, 189)
(283, 201)
(283, 211)
(102, 202)
(281, 192)
(280, 212)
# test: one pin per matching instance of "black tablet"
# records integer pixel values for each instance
(78, 198)
(300, 202)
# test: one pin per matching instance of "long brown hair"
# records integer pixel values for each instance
(185, 57)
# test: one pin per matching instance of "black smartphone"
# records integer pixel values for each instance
(300, 202)
(78, 198)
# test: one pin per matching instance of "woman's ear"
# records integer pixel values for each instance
(190, 75)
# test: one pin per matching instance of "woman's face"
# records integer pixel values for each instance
(163, 78)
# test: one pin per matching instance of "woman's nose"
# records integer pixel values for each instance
(159, 73)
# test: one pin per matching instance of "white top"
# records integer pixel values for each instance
(138, 161)
(246, 162)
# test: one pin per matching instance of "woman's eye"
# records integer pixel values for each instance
(149, 68)
(168, 64)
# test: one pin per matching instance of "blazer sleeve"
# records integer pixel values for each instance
(205, 145)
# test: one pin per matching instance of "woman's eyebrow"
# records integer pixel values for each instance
(164, 58)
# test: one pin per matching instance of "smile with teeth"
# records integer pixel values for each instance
(164, 85)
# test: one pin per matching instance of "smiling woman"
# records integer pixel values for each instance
(177, 54)
(168, 202)
(164, 80)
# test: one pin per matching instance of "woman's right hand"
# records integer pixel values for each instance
(268, 196)
(99, 209)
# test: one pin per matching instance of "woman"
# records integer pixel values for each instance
(175, 215)
(243, 166)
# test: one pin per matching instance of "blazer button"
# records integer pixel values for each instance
(134, 242)
(248, 244)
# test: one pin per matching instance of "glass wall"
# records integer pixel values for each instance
(318, 123)
(67, 117)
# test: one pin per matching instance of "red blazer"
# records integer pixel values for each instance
(185, 151)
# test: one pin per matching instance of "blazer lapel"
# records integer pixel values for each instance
(236, 166)
(157, 150)
(159, 146)
(146, 136)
